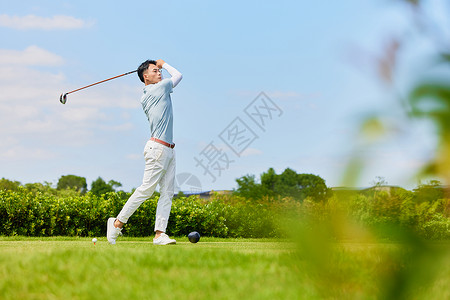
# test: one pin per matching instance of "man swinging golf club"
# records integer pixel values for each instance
(158, 152)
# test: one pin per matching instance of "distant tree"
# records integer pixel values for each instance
(379, 181)
(314, 186)
(429, 192)
(100, 187)
(269, 179)
(72, 182)
(114, 184)
(180, 194)
(247, 187)
(287, 184)
(6, 184)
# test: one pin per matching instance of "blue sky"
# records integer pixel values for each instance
(300, 54)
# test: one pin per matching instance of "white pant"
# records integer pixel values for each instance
(159, 168)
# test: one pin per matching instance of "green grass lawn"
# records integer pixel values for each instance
(73, 268)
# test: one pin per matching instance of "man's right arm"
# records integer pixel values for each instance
(176, 75)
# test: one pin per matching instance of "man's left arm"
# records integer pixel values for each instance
(176, 76)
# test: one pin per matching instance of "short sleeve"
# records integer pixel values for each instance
(168, 85)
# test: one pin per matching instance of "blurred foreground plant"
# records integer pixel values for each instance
(428, 99)
(343, 259)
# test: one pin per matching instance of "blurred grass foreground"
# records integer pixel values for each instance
(74, 268)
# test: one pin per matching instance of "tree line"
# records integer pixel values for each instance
(289, 183)
(301, 186)
(66, 183)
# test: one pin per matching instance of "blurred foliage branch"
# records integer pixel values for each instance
(427, 99)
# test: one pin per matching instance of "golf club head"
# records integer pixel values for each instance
(63, 98)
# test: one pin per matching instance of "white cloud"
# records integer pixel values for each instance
(31, 56)
(19, 153)
(251, 152)
(37, 22)
(12, 150)
(82, 114)
(118, 127)
(37, 130)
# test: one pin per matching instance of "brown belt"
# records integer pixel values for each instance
(162, 142)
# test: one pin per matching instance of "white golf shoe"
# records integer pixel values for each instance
(112, 232)
(163, 239)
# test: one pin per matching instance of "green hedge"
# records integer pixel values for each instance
(23, 212)
(36, 213)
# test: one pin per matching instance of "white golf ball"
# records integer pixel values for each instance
(94, 240)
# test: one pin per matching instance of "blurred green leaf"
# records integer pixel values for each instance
(445, 57)
(440, 95)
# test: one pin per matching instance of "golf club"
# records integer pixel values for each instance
(63, 97)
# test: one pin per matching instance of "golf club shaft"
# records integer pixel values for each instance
(100, 82)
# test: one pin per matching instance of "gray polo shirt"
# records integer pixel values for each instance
(157, 105)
